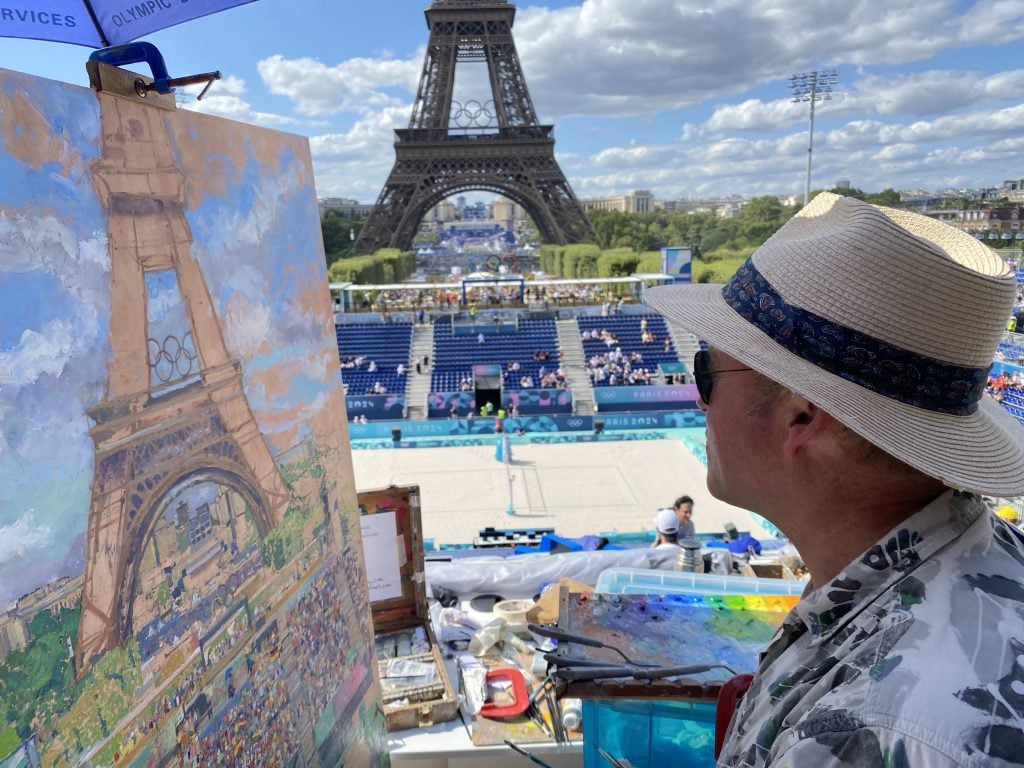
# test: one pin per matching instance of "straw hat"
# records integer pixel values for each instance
(666, 521)
(886, 319)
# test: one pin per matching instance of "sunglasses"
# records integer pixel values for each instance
(705, 377)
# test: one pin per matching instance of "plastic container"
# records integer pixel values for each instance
(646, 581)
(650, 734)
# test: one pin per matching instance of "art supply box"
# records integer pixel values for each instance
(415, 685)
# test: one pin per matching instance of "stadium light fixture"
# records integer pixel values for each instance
(812, 87)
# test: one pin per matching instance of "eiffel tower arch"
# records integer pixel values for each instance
(451, 147)
(174, 410)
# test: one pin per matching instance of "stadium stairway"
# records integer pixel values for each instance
(419, 383)
(686, 347)
(574, 364)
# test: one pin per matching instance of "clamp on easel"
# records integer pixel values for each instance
(163, 83)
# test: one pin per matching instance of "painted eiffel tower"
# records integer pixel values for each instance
(174, 411)
(452, 147)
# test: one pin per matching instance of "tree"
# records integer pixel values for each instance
(759, 218)
(340, 234)
(889, 197)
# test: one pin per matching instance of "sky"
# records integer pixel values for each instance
(683, 98)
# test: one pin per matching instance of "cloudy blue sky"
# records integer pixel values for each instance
(682, 97)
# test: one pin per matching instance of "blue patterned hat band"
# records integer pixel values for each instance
(869, 362)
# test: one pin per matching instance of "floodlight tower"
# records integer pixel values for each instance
(812, 87)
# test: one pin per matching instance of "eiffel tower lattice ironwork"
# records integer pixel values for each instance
(451, 147)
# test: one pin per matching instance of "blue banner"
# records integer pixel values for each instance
(652, 398)
(527, 402)
(548, 424)
(535, 401)
(440, 404)
(676, 262)
(375, 406)
(112, 22)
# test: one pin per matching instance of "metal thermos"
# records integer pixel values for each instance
(690, 559)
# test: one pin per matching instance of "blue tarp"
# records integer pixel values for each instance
(100, 23)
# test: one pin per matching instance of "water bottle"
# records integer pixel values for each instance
(689, 559)
(572, 714)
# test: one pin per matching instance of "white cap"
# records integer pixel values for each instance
(666, 521)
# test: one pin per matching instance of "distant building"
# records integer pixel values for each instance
(723, 207)
(986, 222)
(442, 213)
(507, 212)
(1013, 190)
(350, 209)
(640, 201)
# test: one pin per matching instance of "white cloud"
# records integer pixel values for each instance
(622, 56)
(224, 99)
(23, 536)
(318, 89)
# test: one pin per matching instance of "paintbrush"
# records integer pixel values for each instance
(516, 748)
(586, 670)
(534, 713)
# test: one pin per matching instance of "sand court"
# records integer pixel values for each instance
(575, 488)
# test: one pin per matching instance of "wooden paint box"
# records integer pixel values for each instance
(416, 688)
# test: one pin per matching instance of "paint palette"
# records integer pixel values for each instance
(671, 631)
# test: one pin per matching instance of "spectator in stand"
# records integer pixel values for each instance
(684, 511)
(400, 370)
(666, 525)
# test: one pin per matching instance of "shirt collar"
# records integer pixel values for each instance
(828, 609)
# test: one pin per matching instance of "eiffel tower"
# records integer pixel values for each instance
(451, 147)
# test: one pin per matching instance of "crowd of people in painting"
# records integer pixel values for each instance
(282, 681)
(256, 727)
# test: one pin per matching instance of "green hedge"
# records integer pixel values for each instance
(717, 271)
(388, 265)
(618, 262)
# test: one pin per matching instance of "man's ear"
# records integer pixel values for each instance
(805, 424)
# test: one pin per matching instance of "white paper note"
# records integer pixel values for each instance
(382, 568)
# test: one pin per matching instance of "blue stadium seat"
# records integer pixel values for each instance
(626, 328)
(386, 344)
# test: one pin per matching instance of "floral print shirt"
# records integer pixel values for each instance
(912, 656)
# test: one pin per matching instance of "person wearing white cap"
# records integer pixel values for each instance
(843, 388)
(666, 523)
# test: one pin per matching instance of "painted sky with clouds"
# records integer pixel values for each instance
(246, 194)
(685, 99)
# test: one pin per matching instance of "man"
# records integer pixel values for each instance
(684, 511)
(835, 412)
(666, 526)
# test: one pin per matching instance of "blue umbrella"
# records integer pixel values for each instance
(100, 23)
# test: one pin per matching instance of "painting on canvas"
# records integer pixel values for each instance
(180, 568)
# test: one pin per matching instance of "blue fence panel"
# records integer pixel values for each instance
(531, 424)
(653, 398)
(538, 401)
(375, 406)
(439, 404)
